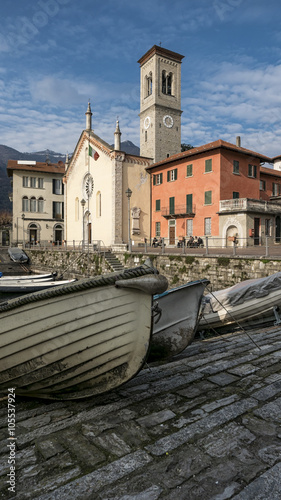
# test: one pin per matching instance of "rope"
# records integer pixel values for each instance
(77, 286)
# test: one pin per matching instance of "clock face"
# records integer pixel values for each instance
(146, 122)
(168, 121)
(88, 185)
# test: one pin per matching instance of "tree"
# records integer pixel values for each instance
(186, 147)
(5, 218)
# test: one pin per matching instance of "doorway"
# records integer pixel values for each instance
(172, 232)
(277, 229)
(256, 231)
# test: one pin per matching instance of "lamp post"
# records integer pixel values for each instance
(129, 194)
(23, 217)
(83, 203)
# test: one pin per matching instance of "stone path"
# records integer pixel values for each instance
(204, 426)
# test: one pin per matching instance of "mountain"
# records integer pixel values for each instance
(129, 148)
(7, 153)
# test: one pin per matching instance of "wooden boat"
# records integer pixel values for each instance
(41, 277)
(80, 339)
(174, 330)
(245, 304)
(17, 255)
(29, 286)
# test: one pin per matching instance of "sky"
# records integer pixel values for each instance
(55, 55)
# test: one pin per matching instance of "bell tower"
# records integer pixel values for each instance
(160, 103)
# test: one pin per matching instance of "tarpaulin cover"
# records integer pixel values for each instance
(241, 292)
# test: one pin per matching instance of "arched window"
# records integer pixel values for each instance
(25, 207)
(167, 82)
(98, 202)
(145, 136)
(40, 205)
(33, 204)
(149, 84)
(76, 209)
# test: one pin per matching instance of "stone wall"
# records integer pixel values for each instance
(221, 271)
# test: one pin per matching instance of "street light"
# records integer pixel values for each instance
(23, 217)
(83, 203)
(129, 194)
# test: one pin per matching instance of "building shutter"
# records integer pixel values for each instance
(189, 203)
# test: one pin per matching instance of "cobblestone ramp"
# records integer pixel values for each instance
(206, 425)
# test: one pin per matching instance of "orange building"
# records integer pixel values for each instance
(219, 190)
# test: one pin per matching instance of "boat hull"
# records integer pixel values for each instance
(29, 286)
(177, 325)
(74, 345)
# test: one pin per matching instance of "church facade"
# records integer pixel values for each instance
(107, 191)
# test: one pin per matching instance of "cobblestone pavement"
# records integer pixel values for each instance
(205, 425)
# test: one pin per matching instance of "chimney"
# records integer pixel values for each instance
(238, 141)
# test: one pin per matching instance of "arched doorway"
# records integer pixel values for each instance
(87, 221)
(231, 232)
(33, 232)
(58, 234)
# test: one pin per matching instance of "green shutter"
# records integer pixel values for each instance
(208, 197)
(157, 207)
(208, 165)
(154, 180)
(176, 174)
(161, 178)
(189, 170)
(168, 176)
(172, 205)
(189, 203)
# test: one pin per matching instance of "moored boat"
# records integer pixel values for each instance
(248, 303)
(29, 286)
(40, 277)
(175, 327)
(17, 255)
(80, 339)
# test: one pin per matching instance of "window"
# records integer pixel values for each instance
(145, 136)
(57, 186)
(172, 175)
(149, 84)
(25, 204)
(267, 227)
(33, 182)
(98, 202)
(235, 166)
(40, 182)
(252, 171)
(157, 205)
(158, 229)
(189, 227)
(207, 226)
(167, 83)
(33, 204)
(189, 170)
(208, 165)
(40, 205)
(262, 185)
(189, 203)
(57, 210)
(208, 198)
(25, 181)
(235, 195)
(275, 189)
(172, 205)
(157, 179)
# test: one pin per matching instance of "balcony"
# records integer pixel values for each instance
(179, 211)
(249, 205)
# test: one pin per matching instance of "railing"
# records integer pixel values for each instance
(179, 210)
(248, 204)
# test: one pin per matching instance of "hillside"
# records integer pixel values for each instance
(7, 153)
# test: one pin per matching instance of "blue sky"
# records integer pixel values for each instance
(56, 54)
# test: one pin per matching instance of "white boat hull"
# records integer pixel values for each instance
(77, 344)
(177, 325)
(29, 286)
(28, 277)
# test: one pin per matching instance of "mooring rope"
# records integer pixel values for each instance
(77, 286)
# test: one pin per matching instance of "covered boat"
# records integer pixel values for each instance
(17, 255)
(247, 303)
(175, 325)
(80, 339)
